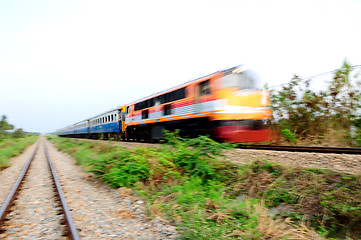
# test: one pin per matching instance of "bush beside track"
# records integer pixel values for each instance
(305, 115)
(189, 183)
(11, 147)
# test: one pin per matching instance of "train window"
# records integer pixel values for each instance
(180, 93)
(242, 80)
(145, 114)
(171, 96)
(204, 88)
(150, 102)
(168, 97)
(162, 99)
(165, 98)
(167, 109)
(109, 118)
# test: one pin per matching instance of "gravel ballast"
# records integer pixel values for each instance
(100, 212)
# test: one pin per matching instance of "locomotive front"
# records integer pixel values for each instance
(242, 109)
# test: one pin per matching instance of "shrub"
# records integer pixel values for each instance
(289, 136)
(301, 112)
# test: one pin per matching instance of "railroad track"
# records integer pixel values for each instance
(315, 149)
(35, 206)
(338, 150)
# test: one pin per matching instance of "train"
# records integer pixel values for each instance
(225, 105)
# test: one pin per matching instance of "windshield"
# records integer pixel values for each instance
(242, 80)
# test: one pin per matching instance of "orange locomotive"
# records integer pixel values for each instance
(225, 105)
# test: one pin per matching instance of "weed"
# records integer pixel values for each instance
(289, 136)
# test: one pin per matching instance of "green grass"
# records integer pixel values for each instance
(187, 182)
(11, 147)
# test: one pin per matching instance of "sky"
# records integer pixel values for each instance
(62, 62)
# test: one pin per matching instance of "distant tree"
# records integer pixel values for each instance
(5, 126)
(18, 133)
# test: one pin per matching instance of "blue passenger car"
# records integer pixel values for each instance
(106, 124)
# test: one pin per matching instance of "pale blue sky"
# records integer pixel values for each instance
(65, 61)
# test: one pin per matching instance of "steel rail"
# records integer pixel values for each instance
(337, 150)
(4, 211)
(72, 232)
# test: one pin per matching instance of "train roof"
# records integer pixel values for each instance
(85, 120)
(185, 83)
(113, 109)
